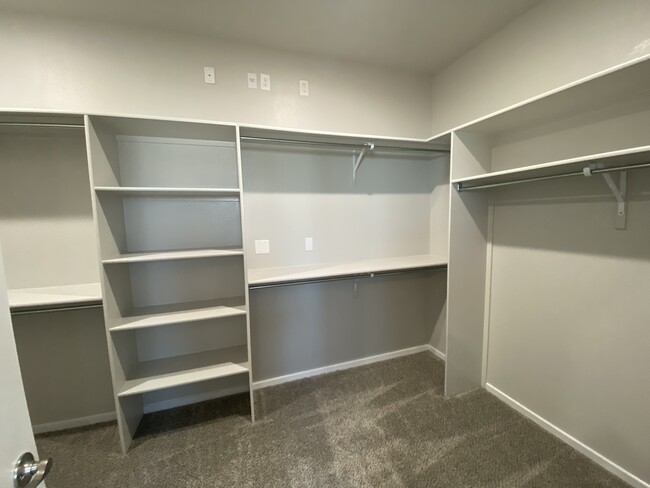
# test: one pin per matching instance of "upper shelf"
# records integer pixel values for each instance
(296, 274)
(623, 84)
(159, 191)
(53, 297)
(613, 159)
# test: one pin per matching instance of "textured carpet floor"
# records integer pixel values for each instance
(385, 424)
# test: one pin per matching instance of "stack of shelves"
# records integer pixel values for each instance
(167, 204)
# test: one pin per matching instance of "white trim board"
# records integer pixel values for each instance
(257, 385)
(436, 352)
(148, 408)
(74, 423)
(582, 448)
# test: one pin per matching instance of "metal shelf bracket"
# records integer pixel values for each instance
(368, 146)
(620, 193)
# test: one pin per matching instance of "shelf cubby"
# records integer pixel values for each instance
(140, 224)
(160, 374)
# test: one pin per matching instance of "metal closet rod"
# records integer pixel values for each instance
(460, 187)
(345, 145)
(41, 124)
(352, 276)
(54, 309)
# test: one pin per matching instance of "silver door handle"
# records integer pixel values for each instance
(29, 473)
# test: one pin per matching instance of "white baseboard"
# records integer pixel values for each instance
(437, 353)
(598, 458)
(346, 365)
(73, 423)
(190, 399)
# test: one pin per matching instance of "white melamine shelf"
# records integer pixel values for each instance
(145, 317)
(160, 374)
(314, 272)
(162, 191)
(622, 84)
(143, 257)
(635, 155)
(54, 297)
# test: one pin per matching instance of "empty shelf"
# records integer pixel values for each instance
(53, 297)
(181, 313)
(161, 191)
(293, 274)
(142, 257)
(184, 370)
(170, 380)
(611, 159)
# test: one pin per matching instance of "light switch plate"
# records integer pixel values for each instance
(262, 247)
(304, 88)
(252, 80)
(309, 243)
(265, 81)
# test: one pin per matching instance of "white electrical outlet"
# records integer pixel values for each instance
(304, 88)
(262, 247)
(208, 75)
(309, 243)
(252, 80)
(265, 81)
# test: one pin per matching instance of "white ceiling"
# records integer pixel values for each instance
(414, 35)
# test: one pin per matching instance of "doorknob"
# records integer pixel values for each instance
(29, 473)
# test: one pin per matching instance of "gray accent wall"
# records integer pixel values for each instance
(303, 327)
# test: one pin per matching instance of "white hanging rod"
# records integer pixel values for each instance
(41, 124)
(33, 311)
(587, 171)
(349, 276)
(345, 145)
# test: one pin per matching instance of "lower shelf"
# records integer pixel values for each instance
(166, 373)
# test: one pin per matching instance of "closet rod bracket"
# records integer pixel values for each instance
(619, 191)
(368, 146)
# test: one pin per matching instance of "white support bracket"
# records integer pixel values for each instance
(368, 146)
(619, 192)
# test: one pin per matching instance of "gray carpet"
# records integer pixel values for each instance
(385, 424)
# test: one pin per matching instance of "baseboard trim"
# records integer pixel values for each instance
(598, 458)
(436, 352)
(73, 423)
(190, 399)
(257, 385)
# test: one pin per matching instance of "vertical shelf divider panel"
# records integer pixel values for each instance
(246, 290)
(468, 233)
(167, 208)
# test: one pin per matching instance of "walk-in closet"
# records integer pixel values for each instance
(373, 245)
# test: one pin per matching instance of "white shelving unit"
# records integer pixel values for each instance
(168, 213)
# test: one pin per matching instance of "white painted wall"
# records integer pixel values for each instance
(102, 68)
(555, 43)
